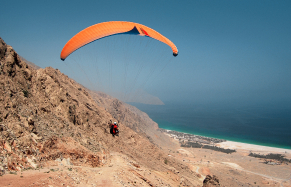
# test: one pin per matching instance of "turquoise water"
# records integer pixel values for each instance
(260, 125)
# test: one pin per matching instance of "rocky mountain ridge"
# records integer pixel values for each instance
(45, 116)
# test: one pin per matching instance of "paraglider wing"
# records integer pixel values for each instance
(105, 29)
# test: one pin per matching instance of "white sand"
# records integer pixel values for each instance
(244, 146)
(252, 147)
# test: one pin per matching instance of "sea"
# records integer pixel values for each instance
(265, 125)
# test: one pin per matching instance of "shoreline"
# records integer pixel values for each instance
(222, 143)
(253, 147)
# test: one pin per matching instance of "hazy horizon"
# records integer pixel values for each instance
(230, 52)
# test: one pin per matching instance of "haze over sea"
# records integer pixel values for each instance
(261, 125)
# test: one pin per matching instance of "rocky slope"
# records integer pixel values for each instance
(46, 117)
(133, 118)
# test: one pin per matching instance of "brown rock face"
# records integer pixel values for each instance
(132, 118)
(39, 104)
(211, 181)
(46, 116)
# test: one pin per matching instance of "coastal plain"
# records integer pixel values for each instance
(236, 168)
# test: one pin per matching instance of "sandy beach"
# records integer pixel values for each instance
(252, 147)
(232, 162)
(226, 144)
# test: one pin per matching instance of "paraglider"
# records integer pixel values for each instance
(106, 29)
(124, 63)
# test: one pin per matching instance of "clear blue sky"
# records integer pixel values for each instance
(229, 51)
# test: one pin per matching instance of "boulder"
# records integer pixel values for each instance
(211, 181)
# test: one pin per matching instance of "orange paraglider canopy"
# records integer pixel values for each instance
(104, 29)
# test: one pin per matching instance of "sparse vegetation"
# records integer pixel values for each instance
(10, 72)
(277, 157)
(25, 92)
(199, 145)
(166, 161)
(27, 168)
